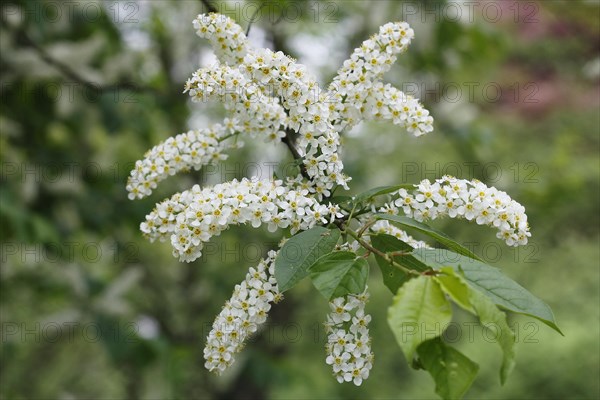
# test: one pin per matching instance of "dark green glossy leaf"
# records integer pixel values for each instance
(452, 371)
(454, 284)
(393, 277)
(409, 223)
(339, 273)
(300, 252)
(490, 281)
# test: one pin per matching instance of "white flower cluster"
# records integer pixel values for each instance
(348, 343)
(384, 227)
(251, 82)
(193, 149)
(254, 113)
(242, 315)
(194, 216)
(472, 200)
(358, 92)
(308, 114)
(227, 38)
(268, 95)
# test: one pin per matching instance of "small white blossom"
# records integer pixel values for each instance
(348, 343)
(242, 315)
(192, 149)
(194, 216)
(357, 93)
(226, 37)
(385, 227)
(472, 200)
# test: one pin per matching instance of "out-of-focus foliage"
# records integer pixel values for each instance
(89, 309)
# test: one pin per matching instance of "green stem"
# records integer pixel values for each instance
(385, 256)
(365, 227)
(350, 216)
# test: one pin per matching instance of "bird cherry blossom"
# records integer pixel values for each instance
(267, 95)
(242, 315)
(471, 200)
(348, 345)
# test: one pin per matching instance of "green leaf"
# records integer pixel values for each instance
(489, 315)
(342, 199)
(452, 371)
(379, 191)
(457, 289)
(339, 273)
(441, 237)
(300, 252)
(493, 319)
(419, 312)
(490, 281)
(360, 199)
(393, 277)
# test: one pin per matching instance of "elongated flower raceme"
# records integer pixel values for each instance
(471, 200)
(268, 95)
(253, 112)
(244, 92)
(308, 115)
(356, 93)
(385, 102)
(377, 54)
(192, 149)
(194, 216)
(348, 345)
(384, 227)
(242, 315)
(227, 38)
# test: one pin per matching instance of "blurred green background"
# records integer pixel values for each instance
(89, 309)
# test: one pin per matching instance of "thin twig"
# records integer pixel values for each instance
(252, 18)
(380, 253)
(72, 74)
(210, 7)
(290, 135)
(289, 141)
(365, 227)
